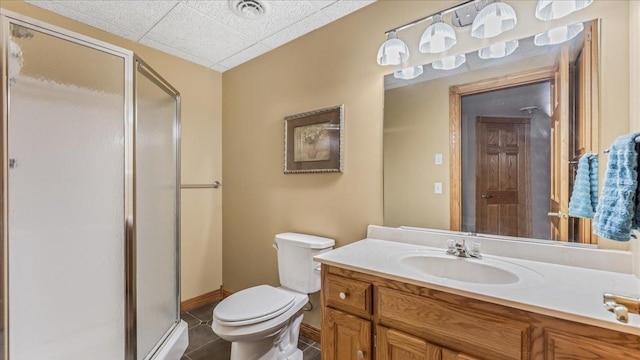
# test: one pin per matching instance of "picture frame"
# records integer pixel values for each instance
(314, 141)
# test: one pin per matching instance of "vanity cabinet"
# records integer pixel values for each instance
(346, 319)
(392, 344)
(372, 317)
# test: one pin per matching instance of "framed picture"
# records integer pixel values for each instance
(313, 141)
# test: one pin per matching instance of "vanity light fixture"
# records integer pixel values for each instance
(555, 9)
(409, 73)
(449, 62)
(393, 51)
(438, 37)
(558, 35)
(493, 20)
(498, 50)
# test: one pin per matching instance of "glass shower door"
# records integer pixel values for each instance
(66, 197)
(157, 209)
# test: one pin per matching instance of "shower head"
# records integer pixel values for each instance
(530, 109)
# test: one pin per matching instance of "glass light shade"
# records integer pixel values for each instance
(556, 9)
(450, 62)
(498, 50)
(493, 20)
(558, 35)
(438, 37)
(393, 51)
(409, 73)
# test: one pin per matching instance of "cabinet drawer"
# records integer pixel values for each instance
(452, 326)
(350, 295)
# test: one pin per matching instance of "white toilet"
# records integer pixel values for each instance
(263, 322)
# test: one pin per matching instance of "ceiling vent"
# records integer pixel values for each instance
(249, 9)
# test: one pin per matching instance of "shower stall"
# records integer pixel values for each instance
(91, 201)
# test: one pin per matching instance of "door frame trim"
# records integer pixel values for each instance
(456, 92)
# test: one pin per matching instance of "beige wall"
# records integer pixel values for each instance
(336, 65)
(201, 96)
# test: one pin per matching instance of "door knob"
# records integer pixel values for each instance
(360, 354)
(558, 214)
(486, 196)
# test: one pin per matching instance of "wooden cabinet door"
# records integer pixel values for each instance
(571, 347)
(345, 337)
(395, 345)
(452, 355)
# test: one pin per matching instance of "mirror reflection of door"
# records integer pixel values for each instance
(570, 108)
(503, 198)
(506, 160)
(583, 129)
(559, 196)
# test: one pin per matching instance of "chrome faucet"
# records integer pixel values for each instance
(460, 249)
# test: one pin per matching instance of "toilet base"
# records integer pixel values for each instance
(283, 345)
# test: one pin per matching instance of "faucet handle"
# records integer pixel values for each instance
(451, 246)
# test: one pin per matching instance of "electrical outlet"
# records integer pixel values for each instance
(437, 188)
(438, 159)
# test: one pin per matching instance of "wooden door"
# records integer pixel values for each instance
(453, 355)
(503, 196)
(583, 130)
(559, 197)
(345, 337)
(395, 345)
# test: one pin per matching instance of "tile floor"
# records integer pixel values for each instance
(204, 344)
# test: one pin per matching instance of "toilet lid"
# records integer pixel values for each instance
(253, 305)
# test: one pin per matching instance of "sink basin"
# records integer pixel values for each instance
(486, 271)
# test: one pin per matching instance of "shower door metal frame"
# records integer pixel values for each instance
(141, 67)
(6, 19)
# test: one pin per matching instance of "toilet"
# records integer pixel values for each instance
(263, 322)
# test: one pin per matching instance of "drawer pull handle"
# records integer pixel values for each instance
(360, 354)
(343, 295)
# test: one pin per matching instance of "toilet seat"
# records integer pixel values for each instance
(253, 305)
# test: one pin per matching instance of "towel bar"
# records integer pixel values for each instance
(215, 185)
(606, 151)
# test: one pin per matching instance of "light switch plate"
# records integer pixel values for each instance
(437, 188)
(438, 159)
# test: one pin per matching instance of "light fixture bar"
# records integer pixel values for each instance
(441, 12)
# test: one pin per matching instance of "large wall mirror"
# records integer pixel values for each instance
(443, 130)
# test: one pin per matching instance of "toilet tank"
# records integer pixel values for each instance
(298, 271)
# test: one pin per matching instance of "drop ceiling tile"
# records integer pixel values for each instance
(190, 31)
(130, 18)
(245, 55)
(321, 4)
(298, 29)
(179, 53)
(345, 7)
(57, 8)
(280, 15)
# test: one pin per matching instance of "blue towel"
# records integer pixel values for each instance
(617, 212)
(584, 198)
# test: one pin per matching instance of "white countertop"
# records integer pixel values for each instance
(566, 292)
